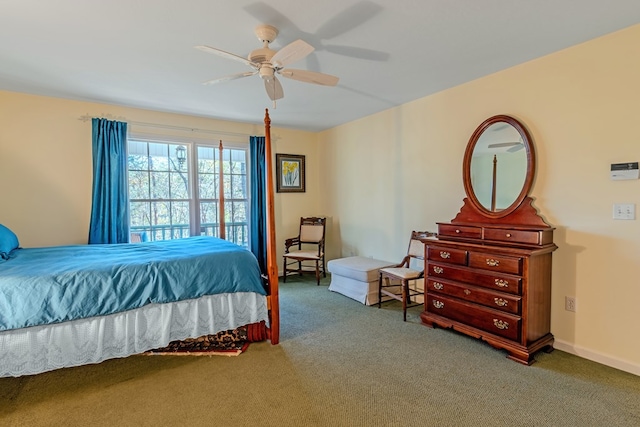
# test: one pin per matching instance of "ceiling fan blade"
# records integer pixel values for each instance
(227, 55)
(291, 53)
(515, 148)
(503, 144)
(274, 88)
(310, 77)
(231, 77)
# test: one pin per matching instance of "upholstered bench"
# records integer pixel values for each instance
(356, 277)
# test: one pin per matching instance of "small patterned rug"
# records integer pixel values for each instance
(225, 343)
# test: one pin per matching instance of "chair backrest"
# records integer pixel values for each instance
(416, 245)
(312, 230)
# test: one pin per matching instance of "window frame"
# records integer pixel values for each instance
(194, 200)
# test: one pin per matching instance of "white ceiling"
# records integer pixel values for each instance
(140, 53)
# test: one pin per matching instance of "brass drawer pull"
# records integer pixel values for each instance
(502, 283)
(437, 285)
(501, 302)
(467, 292)
(445, 255)
(438, 304)
(508, 235)
(438, 270)
(493, 262)
(500, 324)
(457, 231)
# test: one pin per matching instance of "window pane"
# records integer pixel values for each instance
(180, 219)
(138, 184)
(158, 156)
(160, 213)
(206, 160)
(239, 186)
(208, 188)
(138, 157)
(160, 185)
(240, 212)
(174, 162)
(138, 162)
(139, 212)
(227, 186)
(209, 218)
(179, 185)
(237, 227)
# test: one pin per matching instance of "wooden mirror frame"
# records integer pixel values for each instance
(531, 164)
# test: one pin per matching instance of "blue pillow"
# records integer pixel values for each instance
(8, 242)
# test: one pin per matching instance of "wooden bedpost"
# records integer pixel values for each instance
(272, 265)
(223, 226)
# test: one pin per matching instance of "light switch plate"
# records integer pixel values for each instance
(624, 211)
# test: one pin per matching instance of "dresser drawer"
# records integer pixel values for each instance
(448, 255)
(499, 301)
(502, 264)
(460, 231)
(486, 319)
(498, 282)
(515, 236)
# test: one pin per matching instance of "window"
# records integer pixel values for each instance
(236, 204)
(165, 203)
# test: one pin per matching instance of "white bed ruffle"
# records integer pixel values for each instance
(79, 342)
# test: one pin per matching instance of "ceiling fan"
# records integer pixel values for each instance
(267, 63)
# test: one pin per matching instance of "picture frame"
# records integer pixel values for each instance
(290, 173)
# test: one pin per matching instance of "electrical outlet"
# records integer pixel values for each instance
(570, 303)
(624, 211)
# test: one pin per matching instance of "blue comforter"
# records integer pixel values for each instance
(49, 285)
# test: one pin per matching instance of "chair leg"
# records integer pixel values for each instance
(284, 271)
(379, 289)
(324, 269)
(405, 295)
(317, 274)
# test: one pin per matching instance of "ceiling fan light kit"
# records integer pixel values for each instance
(267, 62)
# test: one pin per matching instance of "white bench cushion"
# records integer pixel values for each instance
(359, 268)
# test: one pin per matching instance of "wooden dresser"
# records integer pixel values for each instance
(488, 272)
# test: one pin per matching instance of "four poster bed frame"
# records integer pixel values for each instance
(67, 306)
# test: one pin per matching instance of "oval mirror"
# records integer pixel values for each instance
(498, 166)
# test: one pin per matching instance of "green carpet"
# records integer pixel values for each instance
(339, 363)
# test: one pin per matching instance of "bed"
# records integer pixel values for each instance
(78, 304)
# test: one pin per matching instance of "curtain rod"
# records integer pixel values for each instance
(87, 117)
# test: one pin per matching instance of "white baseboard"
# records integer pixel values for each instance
(594, 356)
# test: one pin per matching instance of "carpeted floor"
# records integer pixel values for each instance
(339, 363)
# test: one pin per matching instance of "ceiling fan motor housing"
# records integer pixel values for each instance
(264, 54)
(266, 34)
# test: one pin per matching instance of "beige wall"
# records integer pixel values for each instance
(46, 166)
(401, 170)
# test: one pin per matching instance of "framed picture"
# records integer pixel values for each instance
(289, 173)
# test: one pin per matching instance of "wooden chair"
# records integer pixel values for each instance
(394, 281)
(311, 233)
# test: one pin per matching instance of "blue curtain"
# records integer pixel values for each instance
(258, 209)
(110, 205)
